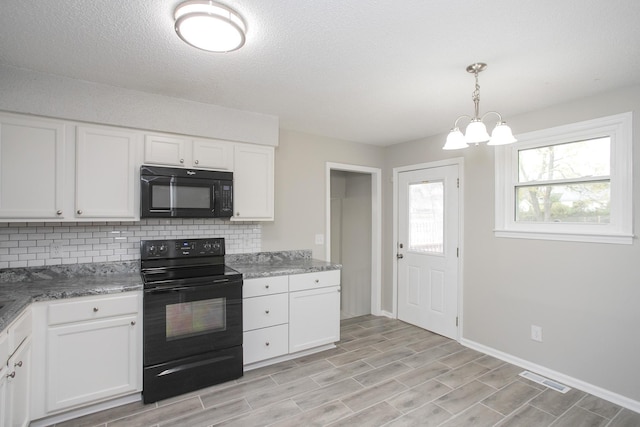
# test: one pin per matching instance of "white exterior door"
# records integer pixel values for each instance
(427, 252)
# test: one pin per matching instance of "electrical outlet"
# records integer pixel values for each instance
(55, 250)
(536, 333)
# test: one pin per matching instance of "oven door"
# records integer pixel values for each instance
(190, 320)
(177, 197)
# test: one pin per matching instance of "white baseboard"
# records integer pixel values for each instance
(284, 358)
(387, 314)
(616, 398)
(75, 413)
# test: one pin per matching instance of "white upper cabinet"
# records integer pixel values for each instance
(182, 152)
(213, 154)
(106, 173)
(253, 183)
(32, 157)
(166, 150)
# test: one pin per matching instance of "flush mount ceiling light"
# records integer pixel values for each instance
(476, 131)
(209, 26)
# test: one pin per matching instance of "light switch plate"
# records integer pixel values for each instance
(319, 239)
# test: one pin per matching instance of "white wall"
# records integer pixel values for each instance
(30, 92)
(584, 295)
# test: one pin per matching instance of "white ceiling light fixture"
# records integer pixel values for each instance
(476, 131)
(210, 26)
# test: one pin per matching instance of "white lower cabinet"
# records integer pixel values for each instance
(314, 318)
(16, 373)
(91, 351)
(287, 314)
(265, 318)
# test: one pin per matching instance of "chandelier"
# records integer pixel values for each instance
(209, 26)
(476, 131)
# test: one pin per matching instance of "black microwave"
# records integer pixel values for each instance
(185, 193)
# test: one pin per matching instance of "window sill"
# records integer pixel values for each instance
(619, 239)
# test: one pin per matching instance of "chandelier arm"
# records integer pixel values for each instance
(492, 112)
(455, 124)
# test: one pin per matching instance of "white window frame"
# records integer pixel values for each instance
(620, 228)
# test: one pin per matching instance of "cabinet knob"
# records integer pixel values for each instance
(266, 286)
(19, 364)
(237, 213)
(266, 312)
(196, 162)
(181, 160)
(133, 322)
(59, 213)
(95, 309)
(267, 344)
(79, 211)
(317, 280)
(13, 374)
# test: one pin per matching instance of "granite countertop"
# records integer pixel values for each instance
(266, 264)
(20, 287)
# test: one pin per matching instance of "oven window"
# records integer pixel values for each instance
(180, 197)
(193, 318)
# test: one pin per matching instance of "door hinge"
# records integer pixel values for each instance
(458, 182)
(457, 252)
(456, 320)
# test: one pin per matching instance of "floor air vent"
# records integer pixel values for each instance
(545, 381)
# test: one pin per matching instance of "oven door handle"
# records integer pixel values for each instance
(163, 290)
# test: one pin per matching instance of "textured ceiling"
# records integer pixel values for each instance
(372, 71)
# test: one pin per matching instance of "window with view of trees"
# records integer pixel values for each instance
(567, 183)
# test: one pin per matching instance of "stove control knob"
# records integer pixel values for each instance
(151, 249)
(216, 246)
(207, 246)
(162, 249)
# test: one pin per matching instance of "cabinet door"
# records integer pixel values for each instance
(212, 154)
(106, 173)
(314, 318)
(18, 387)
(4, 416)
(253, 182)
(90, 361)
(165, 150)
(31, 168)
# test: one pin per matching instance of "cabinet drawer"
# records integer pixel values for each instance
(20, 330)
(77, 310)
(321, 279)
(265, 343)
(265, 286)
(260, 312)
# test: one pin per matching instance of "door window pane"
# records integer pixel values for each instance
(426, 217)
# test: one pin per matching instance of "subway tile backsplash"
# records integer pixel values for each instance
(37, 244)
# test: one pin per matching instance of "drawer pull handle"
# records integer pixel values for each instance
(19, 364)
(266, 312)
(133, 322)
(11, 375)
(266, 286)
(267, 344)
(95, 309)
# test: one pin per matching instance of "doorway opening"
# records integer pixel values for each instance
(353, 230)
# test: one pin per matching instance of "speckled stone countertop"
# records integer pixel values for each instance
(19, 287)
(266, 264)
(22, 286)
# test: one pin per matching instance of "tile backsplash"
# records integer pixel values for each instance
(34, 244)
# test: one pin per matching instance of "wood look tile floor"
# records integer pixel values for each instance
(383, 373)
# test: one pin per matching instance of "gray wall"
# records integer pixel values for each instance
(584, 295)
(301, 187)
(351, 239)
